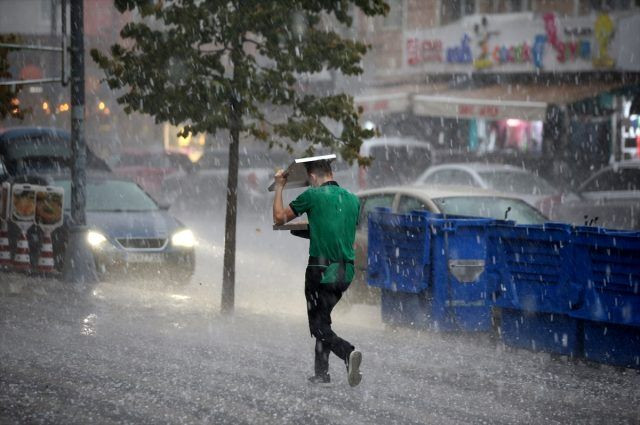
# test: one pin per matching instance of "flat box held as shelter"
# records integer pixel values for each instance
(297, 173)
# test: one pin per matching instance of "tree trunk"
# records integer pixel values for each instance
(235, 121)
(229, 264)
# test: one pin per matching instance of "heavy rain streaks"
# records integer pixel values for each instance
(494, 147)
(142, 351)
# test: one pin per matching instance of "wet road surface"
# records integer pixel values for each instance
(142, 352)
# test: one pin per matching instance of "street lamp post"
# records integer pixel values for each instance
(79, 264)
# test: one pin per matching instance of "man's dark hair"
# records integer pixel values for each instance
(319, 168)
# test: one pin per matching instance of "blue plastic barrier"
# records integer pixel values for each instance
(558, 288)
(461, 281)
(608, 266)
(432, 270)
(612, 344)
(549, 332)
(398, 251)
(406, 309)
(537, 268)
(537, 291)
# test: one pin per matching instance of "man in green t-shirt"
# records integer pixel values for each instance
(333, 215)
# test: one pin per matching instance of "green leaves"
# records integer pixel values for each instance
(217, 64)
(9, 104)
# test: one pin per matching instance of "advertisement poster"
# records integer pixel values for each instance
(49, 207)
(23, 205)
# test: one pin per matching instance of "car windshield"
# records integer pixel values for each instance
(517, 182)
(490, 207)
(111, 196)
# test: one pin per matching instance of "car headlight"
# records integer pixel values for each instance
(95, 239)
(183, 238)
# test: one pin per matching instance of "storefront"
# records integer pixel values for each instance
(523, 82)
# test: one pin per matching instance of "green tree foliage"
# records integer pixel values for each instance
(207, 63)
(9, 105)
(222, 65)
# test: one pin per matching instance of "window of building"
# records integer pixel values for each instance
(609, 5)
(518, 5)
(452, 10)
(45, 10)
(394, 18)
(508, 6)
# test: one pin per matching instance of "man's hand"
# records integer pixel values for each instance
(281, 178)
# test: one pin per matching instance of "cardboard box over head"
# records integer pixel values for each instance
(297, 172)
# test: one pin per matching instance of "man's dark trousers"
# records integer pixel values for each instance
(321, 298)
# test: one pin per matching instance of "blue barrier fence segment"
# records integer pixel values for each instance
(398, 252)
(549, 332)
(460, 293)
(568, 273)
(446, 282)
(612, 344)
(537, 263)
(608, 266)
(406, 309)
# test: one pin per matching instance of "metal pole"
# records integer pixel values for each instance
(79, 262)
(64, 75)
(77, 115)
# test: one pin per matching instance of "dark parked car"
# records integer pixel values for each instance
(28, 150)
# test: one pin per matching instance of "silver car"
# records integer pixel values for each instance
(396, 160)
(609, 198)
(507, 179)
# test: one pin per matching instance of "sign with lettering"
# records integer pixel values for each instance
(525, 42)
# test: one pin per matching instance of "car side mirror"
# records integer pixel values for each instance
(164, 206)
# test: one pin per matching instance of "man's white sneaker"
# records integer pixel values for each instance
(353, 368)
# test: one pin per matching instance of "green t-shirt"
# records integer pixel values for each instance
(333, 215)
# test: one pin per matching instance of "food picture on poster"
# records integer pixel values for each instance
(49, 207)
(23, 203)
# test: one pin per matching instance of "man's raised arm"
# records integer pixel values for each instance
(281, 215)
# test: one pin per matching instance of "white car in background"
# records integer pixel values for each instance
(609, 198)
(396, 160)
(506, 179)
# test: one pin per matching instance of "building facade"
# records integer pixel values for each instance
(540, 82)
(39, 22)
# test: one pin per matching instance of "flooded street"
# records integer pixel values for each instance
(143, 352)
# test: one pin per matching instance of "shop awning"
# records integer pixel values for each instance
(522, 101)
(383, 102)
(393, 99)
